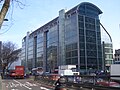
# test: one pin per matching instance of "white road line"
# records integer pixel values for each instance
(30, 84)
(10, 84)
(44, 88)
(14, 89)
(22, 84)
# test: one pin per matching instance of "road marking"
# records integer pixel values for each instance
(11, 84)
(14, 89)
(44, 88)
(22, 84)
(30, 84)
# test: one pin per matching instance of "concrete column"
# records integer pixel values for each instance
(26, 50)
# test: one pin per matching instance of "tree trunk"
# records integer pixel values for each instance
(3, 11)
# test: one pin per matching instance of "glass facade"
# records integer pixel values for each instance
(73, 38)
(23, 53)
(39, 47)
(30, 52)
(71, 48)
(89, 37)
(108, 54)
(52, 46)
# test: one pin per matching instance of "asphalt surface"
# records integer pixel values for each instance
(23, 84)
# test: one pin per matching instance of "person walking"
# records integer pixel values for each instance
(60, 84)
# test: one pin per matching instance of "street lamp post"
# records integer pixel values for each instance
(106, 32)
(5, 19)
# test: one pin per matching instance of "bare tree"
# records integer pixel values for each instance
(9, 54)
(5, 8)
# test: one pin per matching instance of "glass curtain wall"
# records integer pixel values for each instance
(30, 52)
(39, 62)
(108, 48)
(23, 53)
(71, 50)
(89, 38)
(52, 45)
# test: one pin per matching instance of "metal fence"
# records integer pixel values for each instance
(102, 82)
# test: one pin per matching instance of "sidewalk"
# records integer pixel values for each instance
(0, 83)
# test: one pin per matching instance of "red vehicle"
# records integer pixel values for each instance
(18, 72)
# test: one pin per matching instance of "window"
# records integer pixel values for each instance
(90, 33)
(68, 47)
(82, 53)
(68, 54)
(90, 26)
(74, 61)
(81, 25)
(82, 60)
(89, 20)
(91, 46)
(81, 39)
(74, 46)
(74, 53)
(81, 32)
(68, 61)
(80, 18)
(91, 39)
(91, 53)
(82, 45)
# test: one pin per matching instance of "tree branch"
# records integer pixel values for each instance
(19, 4)
(3, 11)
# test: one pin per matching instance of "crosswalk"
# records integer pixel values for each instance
(15, 85)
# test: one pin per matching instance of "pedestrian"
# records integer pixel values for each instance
(60, 83)
(78, 79)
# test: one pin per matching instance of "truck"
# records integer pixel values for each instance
(114, 71)
(67, 70)
(18, 72)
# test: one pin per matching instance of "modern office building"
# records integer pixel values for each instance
(107, 49)
(72, 38)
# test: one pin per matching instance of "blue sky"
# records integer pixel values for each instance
(36, 13)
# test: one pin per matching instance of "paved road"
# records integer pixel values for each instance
(22, 84)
